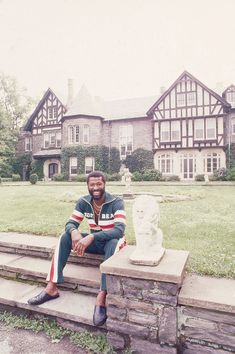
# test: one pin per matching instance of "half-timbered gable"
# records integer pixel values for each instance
(188, 117)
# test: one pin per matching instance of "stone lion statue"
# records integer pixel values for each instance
(149, 237)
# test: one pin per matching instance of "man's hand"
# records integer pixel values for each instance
(81, 245)
(75, 237)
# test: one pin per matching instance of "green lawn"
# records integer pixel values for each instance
(204, 225)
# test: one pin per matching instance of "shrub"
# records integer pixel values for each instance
(140, 160)
(16, 177)
(80, 178)
(231, 175)
(152, 175)
(33, 178)
(114, 177)
(199, 178)
(0, 179)
(221, 174)
(172, 178)
(58, 177)
(137, 176)
(37, 168)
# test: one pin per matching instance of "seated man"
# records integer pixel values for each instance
(106, 217)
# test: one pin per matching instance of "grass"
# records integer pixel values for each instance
(92, 343)
(204, 225)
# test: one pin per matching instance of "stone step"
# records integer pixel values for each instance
(76, 276)
(68, 307)
(40, 246)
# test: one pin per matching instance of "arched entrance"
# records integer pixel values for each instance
(52, 169)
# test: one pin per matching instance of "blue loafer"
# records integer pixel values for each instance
(99, 316)
(41, 298)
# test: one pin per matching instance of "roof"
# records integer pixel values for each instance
(85, 104)
(29, 123)
(47, 153)
(221, 99)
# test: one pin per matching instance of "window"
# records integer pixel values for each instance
(165, 131)
(231, 96)
(191, 98)
(52, 139)
(125, 140)
(86, 134)
(210, 128)
(175, 130)
(211, 162)
(46, 140)
(165, 163)
(28, 144)
(199, 129)
(58, 139)
(181, 99)
(52, 112)
(73, 164)
(74, 134)
(89, 164)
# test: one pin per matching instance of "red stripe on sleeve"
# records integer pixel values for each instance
(77, 217)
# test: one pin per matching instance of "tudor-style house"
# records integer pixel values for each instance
(188, 128)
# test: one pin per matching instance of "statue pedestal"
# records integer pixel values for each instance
(151, 258)
(142, 301)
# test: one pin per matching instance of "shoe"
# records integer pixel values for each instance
(41, 298)
(99, 316)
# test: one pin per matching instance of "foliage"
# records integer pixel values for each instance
(104, 158)
(140, 160)
(21, 162)
(230, 155)
(37, 167)
(113, 177)
(16, 177)
(171, 178)
(84, 339)
(221, 174)
(231, 176)
(0, 179)
(14, 107)
(58, 177)
(137, 176)
(80, 178)
(147, 175)
(33, 178)
(199, 178)
(152, 175)
(5, 168)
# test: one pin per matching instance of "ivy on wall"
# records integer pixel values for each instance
(106, 160)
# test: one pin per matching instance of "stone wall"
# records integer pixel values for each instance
(162, 310)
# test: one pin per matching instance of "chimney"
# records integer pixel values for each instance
(70, 93)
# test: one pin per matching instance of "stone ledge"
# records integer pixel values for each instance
(170, 269)
(208, 293)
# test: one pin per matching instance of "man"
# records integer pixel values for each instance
(106, 218)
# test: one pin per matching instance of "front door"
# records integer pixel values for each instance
(53, 169)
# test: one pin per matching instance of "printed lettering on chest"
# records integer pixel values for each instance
(89, 215)
(107, 216)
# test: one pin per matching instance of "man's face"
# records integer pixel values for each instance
(96, 187)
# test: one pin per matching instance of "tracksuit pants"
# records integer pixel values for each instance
(62, 252)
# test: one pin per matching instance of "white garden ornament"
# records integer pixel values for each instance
(149, 237)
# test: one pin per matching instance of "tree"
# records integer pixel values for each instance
(140, 160)
(14, 107)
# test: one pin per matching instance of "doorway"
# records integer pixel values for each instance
(53, 169)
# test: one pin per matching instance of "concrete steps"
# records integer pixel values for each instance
(24, 263)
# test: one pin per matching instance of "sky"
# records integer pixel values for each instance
(117, 48)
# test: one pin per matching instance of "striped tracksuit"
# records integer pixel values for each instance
(108, 233)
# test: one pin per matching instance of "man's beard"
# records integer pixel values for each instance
(98, 196)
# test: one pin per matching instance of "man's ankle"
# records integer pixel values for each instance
(101, 298)
(51, 288)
